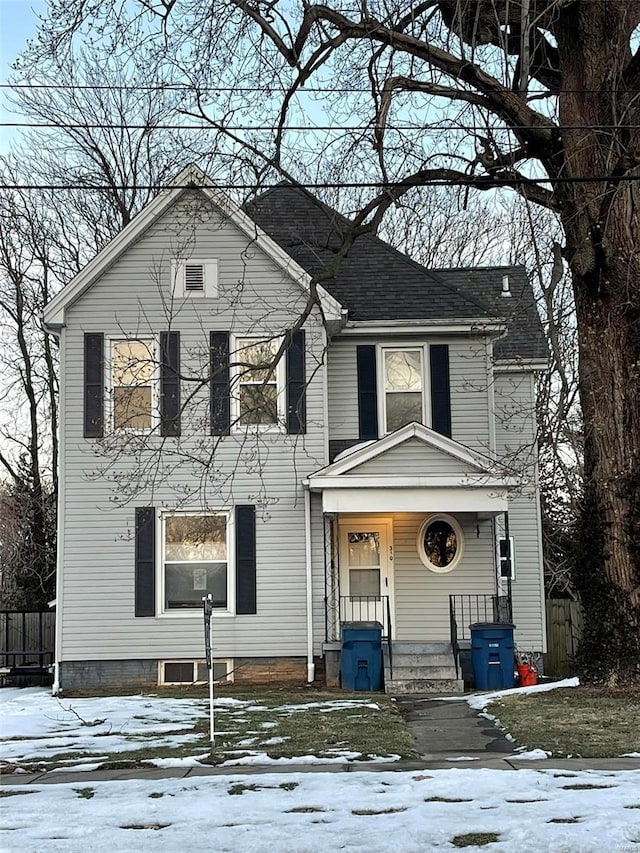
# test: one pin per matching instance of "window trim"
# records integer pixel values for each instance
(211, 272)
(234, 380)
(457, 528)
(162, 682)
(190, 612)
(109, 413)
(400, 346)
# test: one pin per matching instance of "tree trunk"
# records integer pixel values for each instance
(602, 228)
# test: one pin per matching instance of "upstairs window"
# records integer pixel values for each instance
(132, 381)
(402, 387)
(259, 392)
(194, 277)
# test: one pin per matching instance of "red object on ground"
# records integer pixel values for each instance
(527, 675)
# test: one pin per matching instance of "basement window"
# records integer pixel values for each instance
(183, 672)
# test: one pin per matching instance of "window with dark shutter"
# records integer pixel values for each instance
(220, 390)
(245, 559)
(440, 390)
(145, 570)
(296, 384)
(170, 383)
(93, 385)
(367, 393)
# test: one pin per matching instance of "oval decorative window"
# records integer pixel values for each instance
(440, 543)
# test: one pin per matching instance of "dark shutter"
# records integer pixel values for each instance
(170, 383)
(220, 388)
(440, 393)
(145, 561)
(245, 559)
(93, 385)
(296, 382)
(367, 392)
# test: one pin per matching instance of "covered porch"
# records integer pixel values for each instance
(411, 543)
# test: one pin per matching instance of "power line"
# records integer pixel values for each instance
(446, 125)
(179, 87)
(483, 181)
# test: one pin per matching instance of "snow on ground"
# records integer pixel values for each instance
(36, 726)
(528, 810)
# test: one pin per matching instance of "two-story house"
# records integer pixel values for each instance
(377, 472)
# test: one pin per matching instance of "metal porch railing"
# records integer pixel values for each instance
(466, 610)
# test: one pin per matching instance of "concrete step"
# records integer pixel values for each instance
(424, 685)
(425, 671)
(419, 648)
(428, 659)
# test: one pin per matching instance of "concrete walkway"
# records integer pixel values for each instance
(447, 735)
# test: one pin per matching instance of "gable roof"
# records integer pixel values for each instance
(377, 282)
(473, 465)
(189, 178)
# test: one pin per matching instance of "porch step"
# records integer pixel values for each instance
(425, 671)
(424, 685)
(421, 668)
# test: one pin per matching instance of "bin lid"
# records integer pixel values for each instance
(362, 625)
(488, 625)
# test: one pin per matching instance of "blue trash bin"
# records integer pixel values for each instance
(492, 655)
(361, 657)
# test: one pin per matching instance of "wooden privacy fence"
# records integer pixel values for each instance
(27, 638)
(564, 629)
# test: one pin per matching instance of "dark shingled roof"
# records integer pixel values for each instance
(377, 282)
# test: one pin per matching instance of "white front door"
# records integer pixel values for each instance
(366, 562)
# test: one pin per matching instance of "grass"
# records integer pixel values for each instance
(474, 839)
(281, 726)
(583, 722)
(320, 732)
(7, 792)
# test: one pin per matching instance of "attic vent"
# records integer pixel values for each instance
(194, 277)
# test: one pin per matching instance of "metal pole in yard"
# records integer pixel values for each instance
(207, 601)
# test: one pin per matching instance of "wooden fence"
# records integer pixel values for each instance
(564, 628)
(27, 638)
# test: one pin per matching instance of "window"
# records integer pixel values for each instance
(194, 277)
(193, 671)
(403, 386)
(507, 558)
(259, 390)
(195, 558)
(440, 543)
(132, 382)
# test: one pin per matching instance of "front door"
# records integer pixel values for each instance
(366, 572)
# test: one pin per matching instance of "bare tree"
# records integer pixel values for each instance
(538, 96)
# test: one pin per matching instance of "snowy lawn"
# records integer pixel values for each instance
(525, 811)
(40, 732)
(587, 722)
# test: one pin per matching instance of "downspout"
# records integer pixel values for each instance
(56, 687)
(311, 668)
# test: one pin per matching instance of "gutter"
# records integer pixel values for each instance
(311, 668)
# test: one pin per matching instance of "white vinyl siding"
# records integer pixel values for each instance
(468, 387)
(411, 458)
(264, 470)
(516, 442)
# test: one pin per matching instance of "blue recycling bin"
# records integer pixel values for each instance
(492, 655)
(361, 657)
